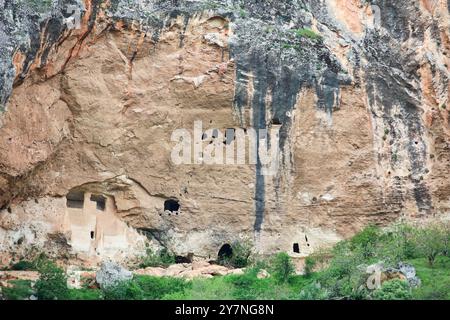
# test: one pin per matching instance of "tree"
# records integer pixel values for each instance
(430, 242)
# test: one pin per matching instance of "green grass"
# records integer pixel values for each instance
(337, 273)
(20, 290)
(435, 280)
(85, 294)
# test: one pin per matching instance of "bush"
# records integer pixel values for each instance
(366, 241)
(155, 288)
(20, 290)
(23, 265)
(217, 288)
(307, 33)
(398, 244)
(310, 263)
(52, 283)
(393, 290)
(85, 294)
(314, 291)
(282, 267)
(126, 290)
(162, 258)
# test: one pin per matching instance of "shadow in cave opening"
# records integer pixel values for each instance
(225, 252)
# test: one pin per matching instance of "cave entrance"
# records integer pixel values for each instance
(75, 199)
(100, 200)
(296, 248)
(184, 259)
(226, 251)
(171, 205)
(92, 235)
(276, 122)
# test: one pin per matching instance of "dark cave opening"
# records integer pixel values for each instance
(75, 199)
(100, 200)
(226, 251)
(172, 206)
(296, 248)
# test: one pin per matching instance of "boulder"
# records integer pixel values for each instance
(111, 274)
(263, 274)
(151, 271)
(176, 269)
(410, 273)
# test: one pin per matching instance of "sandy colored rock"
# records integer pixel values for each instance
(362, 105)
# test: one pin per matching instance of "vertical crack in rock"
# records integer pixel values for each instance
(281, 63)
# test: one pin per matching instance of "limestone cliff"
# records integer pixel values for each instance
(91, 92)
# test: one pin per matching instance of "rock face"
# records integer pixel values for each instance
(110, 274)
(93, 92)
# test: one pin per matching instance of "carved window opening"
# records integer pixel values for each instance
(75, 200)
(92, 235)
(100, 200)
(230, 135)
(296, 248)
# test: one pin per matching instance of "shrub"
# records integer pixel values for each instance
(314, 291)
(307, 33)
(162, 258)
(155, 288)
(126, 290)
(393, 290)
(20, 290)
(310, 263)
(217, 288)
(52, 283)
(85, 294)
(282, 267)
(399, 243)
(366, 241)
(23, 265)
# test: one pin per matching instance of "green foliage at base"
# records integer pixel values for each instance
(338, 273)
(127, 290)
(393, 290)
(435, 280)
(52, 283)
(19, 290)
(162, 258)
(23, 265)
(85, 294)
(282, 267)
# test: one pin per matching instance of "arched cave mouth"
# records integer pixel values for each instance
(171, 205)
(225, 252)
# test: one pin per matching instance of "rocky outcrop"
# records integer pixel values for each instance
(111, 274)
(189, 271)
(358, 91)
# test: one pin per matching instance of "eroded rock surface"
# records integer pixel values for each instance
(358, 89)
